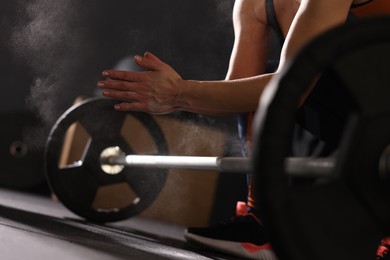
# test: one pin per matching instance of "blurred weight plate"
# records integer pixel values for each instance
(73, 168)
(21, 165)
(346, 215)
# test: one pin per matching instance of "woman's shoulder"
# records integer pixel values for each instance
(254, 10)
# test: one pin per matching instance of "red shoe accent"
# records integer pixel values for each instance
(241, 208)
(386, 241)
(253, 248)
(382, 251)
(383, 248)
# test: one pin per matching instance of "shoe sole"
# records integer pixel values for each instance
(233, 248)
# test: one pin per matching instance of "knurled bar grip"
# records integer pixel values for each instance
(294, 166)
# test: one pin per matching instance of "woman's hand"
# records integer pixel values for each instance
(154, 91)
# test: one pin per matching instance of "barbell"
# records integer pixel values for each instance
(342, 212)
(108, 160)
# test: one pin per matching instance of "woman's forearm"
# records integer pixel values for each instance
(222, 97)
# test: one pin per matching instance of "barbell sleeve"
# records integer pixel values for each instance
(309, 167)
(294, 166)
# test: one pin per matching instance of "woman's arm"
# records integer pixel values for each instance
(250, 50)
(313, 18)
(251, 40)
(161, 90)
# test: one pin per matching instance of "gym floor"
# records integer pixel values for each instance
(36, 227)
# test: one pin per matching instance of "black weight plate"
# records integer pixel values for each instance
(21, 162)
(346, 216)
(78, 185)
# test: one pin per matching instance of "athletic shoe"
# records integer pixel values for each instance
(242, 236)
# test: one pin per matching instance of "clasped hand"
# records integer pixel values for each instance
(154, 91)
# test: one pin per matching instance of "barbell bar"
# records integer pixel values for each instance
(113, 160)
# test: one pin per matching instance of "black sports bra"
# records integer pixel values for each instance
(360, 4)
(273, 20)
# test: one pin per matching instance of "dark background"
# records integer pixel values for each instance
(74, 41)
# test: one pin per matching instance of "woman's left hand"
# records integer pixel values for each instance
(154, 91)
